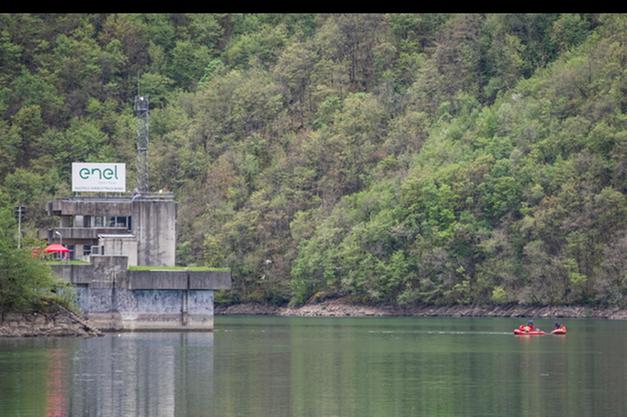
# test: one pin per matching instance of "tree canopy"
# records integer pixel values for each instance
(401, 158)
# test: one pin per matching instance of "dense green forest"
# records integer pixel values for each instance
(401, 158)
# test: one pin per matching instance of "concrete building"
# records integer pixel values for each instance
(150, 217)
(116, 234)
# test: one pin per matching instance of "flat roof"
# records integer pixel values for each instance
(121, 198)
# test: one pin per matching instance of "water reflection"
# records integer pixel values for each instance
(274, 367)
(267, 367)
(57, 383)
(143, 375)
(119, 375)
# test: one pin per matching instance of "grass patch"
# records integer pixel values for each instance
(75, 262)
(176, 268)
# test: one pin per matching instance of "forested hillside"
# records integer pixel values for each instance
(394, 158)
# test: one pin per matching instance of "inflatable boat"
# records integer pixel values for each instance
(536, 332)
(560, 330)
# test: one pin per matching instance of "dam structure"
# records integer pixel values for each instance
(128, 279)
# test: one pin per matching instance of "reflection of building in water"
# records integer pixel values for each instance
(194, 389)
(144, 375)
(56, 383)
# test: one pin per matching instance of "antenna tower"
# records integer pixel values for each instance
(141, 111)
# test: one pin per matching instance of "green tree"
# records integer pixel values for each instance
(25, 283)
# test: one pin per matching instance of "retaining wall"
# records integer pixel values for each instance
(114, 298)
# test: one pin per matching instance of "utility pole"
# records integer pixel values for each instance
(141, 112)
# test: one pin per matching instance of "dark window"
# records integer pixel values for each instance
(118, 221)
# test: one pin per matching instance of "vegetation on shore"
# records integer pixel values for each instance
(26, 284)
(400, 159)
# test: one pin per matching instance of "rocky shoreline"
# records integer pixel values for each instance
(341, 308)
(59, 321)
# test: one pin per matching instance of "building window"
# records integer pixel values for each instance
(119, 221)
(86, 250)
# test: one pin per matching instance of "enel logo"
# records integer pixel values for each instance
(107, 173)
(98, 177)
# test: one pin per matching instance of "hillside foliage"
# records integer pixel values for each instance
(401, 158)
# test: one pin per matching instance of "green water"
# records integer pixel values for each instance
(272, 366)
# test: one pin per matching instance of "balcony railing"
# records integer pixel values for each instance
(81, 233)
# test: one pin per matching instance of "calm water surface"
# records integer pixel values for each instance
(273, 366)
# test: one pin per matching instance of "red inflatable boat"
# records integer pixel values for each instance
(560, 330)
(519, 332)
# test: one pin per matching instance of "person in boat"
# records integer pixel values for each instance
(557, 325)
(527, 328)
(530, 327)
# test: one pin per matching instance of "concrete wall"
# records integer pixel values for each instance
(179, 280)
(122, 309)
(154, 224)
(114, 268)
(122, 245)
(95, 206)
(76, 274)
(216, 280)
(115, 298)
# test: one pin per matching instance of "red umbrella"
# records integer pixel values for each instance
(56, 248)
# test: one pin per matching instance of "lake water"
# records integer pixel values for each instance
(276, 366)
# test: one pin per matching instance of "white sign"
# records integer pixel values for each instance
(98, 176)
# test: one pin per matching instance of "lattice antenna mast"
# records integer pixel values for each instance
(141, 111)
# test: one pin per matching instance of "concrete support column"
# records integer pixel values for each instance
(154, 225)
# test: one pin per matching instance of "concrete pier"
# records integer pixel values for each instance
(116, 298)
(117, 234)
